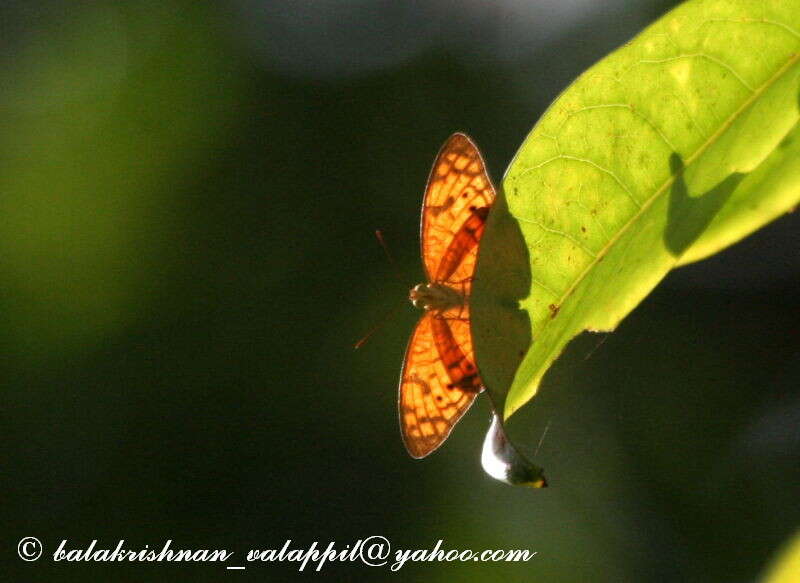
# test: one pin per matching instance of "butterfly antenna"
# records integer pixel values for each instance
(380, 323)
(399, 276)
(541, 439)
(389, 258)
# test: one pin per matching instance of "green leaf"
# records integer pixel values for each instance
(673, 147)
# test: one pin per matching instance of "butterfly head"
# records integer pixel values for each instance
(435, 296)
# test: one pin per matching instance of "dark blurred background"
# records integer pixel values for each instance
(188, 198)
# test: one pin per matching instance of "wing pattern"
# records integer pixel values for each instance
(459, 192)
(440, 381)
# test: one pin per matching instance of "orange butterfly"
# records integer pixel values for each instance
(440, 380)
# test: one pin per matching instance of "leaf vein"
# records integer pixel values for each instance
(564, 234)
(782, 25)
(688, 161)
(591, 163)
(627, 106)
(538, 282)
(714, 60)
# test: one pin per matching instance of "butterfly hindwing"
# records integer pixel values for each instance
(438, 383)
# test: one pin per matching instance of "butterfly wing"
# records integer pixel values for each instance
(439, 381)
(454, 210)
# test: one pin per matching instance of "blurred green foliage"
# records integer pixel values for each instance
(188, 258)
(107, 114)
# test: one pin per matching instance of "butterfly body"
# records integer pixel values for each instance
(440, 379)
(435, 297)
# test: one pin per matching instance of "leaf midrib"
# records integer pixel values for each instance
(688, 162)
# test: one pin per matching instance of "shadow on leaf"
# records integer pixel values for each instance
(501, 330)
(688, 216)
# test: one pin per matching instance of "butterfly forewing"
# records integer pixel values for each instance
(459, 193)
(440, 380)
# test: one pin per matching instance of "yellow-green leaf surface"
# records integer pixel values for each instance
(676, 145)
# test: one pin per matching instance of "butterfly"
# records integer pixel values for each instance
(440, 380)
